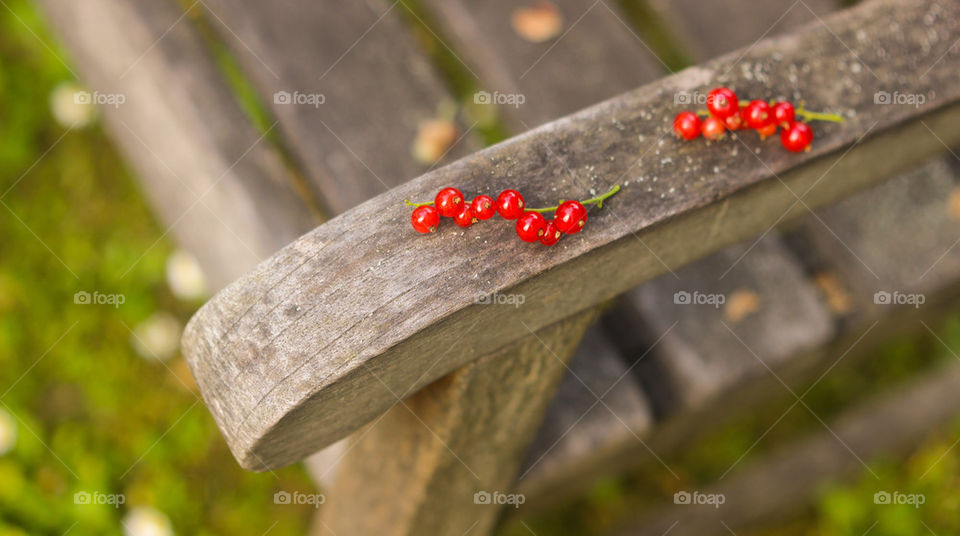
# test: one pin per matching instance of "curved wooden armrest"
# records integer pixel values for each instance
(341, 324)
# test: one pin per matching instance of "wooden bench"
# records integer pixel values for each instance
(362, 335)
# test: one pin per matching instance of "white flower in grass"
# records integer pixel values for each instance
(185, 277)
(8, 432)
(157, 337)
(72, 106)
(146, 521)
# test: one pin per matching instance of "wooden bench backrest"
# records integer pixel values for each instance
(359, 365)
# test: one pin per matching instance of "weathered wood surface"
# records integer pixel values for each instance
(721, 322)
(597, 44)
(598, 408)
(285, 356)
(682, 370)
(698, 358)
(708, 30)
(596, 56)
(378, 86)
(418, 468)
(785, 480)
(213, 179)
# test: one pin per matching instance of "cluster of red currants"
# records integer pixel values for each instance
(725, 112)
(569, 217)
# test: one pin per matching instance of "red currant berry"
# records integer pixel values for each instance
(465, 218)
(758, 114)
(570, 217)
(482, 207)
(686, 125)
(530, 226)
(797, 138)
(551, 234)
(784, 114)
(722, 103)
(425, 219)
(510, 204)
(734, 122)
(449, 202)
(767, 131)
(713, 128)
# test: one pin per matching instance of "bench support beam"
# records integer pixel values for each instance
(416, 469)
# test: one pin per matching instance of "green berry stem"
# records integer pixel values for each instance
(818, 116)
(807, 115)
(598, 200)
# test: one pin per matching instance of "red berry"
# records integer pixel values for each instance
(449, 202)
(686, 125)
(530, 226)
(425, 219)
(758, 114)
(713, 128)
(734, 122)
(465, 218)
(482, 207)
(767, 131)
(570, 217)
(551, 234)
(784, 114)
(722, 103)
(797, 138)
(510, 204)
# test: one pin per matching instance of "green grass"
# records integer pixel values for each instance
(93, 416)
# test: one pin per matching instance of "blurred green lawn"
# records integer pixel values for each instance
(93, 416)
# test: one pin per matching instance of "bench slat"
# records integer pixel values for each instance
(898, 238)
(212, 178)
(597, 45)
(377, 87)
(297, 339)
(729, 24)
(598, 409)
(770, 315)
(418, 468)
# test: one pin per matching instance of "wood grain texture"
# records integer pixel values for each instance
(786, 480)
(698, 358)
(596, 56)
(377, 86)
(599, 408)
(416, 469)
(285, 357)
(213, 180)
